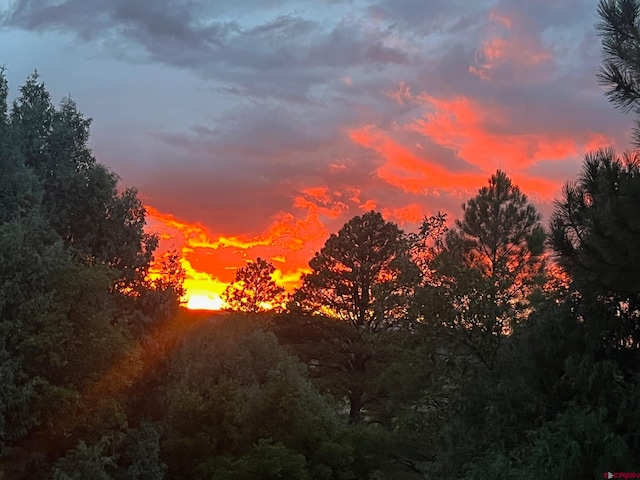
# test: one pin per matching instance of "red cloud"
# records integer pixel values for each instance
(482, 135)
(412, 213)
(405, 169)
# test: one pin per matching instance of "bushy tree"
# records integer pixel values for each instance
(254, 290)
(133, 455)
(73, 263)
(162, 292)
(362, 275)
(356, 298)
(80, 199)
(238, 402)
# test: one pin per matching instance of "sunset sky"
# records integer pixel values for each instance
(257, 128)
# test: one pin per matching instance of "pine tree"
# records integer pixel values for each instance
(362, 275)
(619, 29)
(254, 290)
(487, 268)
(595, 231)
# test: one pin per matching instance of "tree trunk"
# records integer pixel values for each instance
(355, 407)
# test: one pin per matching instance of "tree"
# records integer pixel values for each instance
(487, 267)
(543, 410)
(357, 295)
(595, 232)
(31, 119)
(619, 30)
(362, 275)
(4, 94)
(254, 290)
(73, 263)
(503, 236)
(595, 226)
(429, 242)
(161, 294)
(80, 198)
(237, 402)
(20, 192)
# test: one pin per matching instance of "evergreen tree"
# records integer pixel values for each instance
(362, 275)
(486, 268)
(80, 196)
(619, 29)
(73, 262)
(239, 406)
(595, 231)
(254, 290)
(503, 234)
(358, 295)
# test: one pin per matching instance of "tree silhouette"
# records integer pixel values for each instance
(487, 268)
(362, 274)
(80, 197)
(595, 230)
(503, 234)
(359, 292)
(254, 290)
(619, 30)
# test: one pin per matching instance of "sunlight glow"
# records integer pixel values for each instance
(209, 261)
(205, 302)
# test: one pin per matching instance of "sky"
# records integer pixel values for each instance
(256, 128)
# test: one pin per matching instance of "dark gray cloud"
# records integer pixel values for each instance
(181, 33)
(263, 53)
(434, 15)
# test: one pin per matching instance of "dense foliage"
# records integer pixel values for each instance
(76, 303)
(454, 352)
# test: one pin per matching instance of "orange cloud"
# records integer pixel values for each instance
(368, 206)
(405, 169)
(481, 133)
(354, 194)
(463, 125)
(319, 201)
(412, 213)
